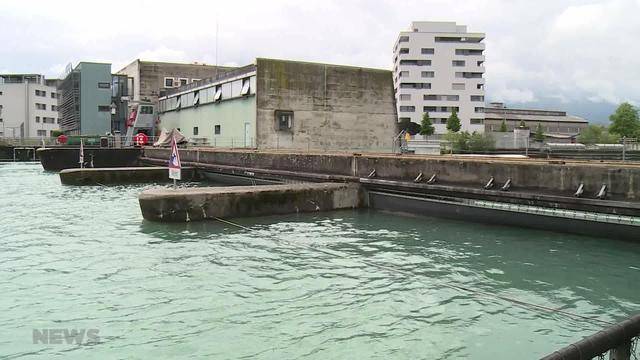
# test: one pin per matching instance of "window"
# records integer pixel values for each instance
(48, 120)
(284, 120)
(405, 97)
(476, 121)
(183, 81)
(416, 62)
(426, 51)
(104, 108)
(218, 95)
(404, 39)
(457, 86)
(477, 98)
(404, 51)
(457, 63)
(146, 109)
(195, 80)
(466, 52)
(415, 85)
(42, 132)
(168, 82)
(428, 74)
(41, 106)
(53, 95)
(246, 84)
(196, 98)
(195, 131)
(54, 108)
(428, 108)
(404, 73)
(1, 93)
(216, 130)
(479, 109)
(104, 85)
(41, 93)
(443, 121)
(37, 119)
(480, 86)
(407, 108)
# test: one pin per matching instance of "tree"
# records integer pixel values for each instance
(597, 134)
(408, 126)
(539, 135)
(624, 121)
(481, 142)
(459, 141)
(56, 133)
(453, 123)
(503, 126)
(426, 128)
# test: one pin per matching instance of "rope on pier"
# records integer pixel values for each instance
(514, 301)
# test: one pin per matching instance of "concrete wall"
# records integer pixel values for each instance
(549, 177)
(92, 121)
(335, 107)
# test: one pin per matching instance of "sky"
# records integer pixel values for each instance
(579, 56)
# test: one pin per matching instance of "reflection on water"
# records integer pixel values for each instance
(314, 285)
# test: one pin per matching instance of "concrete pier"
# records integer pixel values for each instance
(123, 175)
(193, 204)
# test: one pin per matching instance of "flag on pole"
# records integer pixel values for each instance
(81, 160)
(174, 161)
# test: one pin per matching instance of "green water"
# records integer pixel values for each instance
(349, 284)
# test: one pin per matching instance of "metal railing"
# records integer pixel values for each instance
(221, 76)
(619, 340)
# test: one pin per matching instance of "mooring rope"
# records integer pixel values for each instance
(517, 302)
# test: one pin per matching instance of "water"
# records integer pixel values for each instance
(296, 286)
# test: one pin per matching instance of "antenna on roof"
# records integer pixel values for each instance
(216, 45)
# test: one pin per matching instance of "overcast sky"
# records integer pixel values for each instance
(579, 56)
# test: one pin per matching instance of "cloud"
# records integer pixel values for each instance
(567, 53)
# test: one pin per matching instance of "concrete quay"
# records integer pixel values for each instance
(119, 176)
(193, 204)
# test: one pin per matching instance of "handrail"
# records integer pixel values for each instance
(617, 340)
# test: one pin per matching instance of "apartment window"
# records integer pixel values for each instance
(477, 98)
(466, 52)
(443, 120)
(53, 95)
(246, 86)
(104, 108)
(284, 120)
(407, 109)
(416, 62)
(404, 51)
(404, 39)
(479, 63)
(48, 120)
(54, 108)
(479, 109)
(405, 97)
(104, 85)
(428, 108)
(480, 86)
(41, 93)
(426, 51)
(457, 63)
(415, 85)
(216, 130)
(457, 86)
(183, 81)
(42, 132)
(476, 121)
(41, 106)
(1, 93)
(195, 80)
(404, 73)
(428, 74)
(430, 97)
(195, 131)
(37, 119)
(168, 82)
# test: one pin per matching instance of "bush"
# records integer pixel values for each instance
(597, 134)
(56, 133)
(481, 142)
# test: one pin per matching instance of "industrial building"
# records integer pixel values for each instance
(554, 123)
(148, 80)
(287, 104)
(438, 67)
(28, 105)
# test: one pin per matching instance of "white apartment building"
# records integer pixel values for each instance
(438, 67)
(28, 106)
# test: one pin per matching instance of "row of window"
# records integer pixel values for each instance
(229, 90)
(405, 38)
(454, 86)
(407, 97)
(170, 82)
(444, 121)
(549, 129)
(47, 120)
(411, 108)
(40, 106)
(424, 74)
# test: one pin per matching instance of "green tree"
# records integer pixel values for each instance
(459, 141)
(624, 121)
(480, 142)
(597, 134)
(539, 134)
(426, 128)
(453, 123)
(56, 133)
(503, 126)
